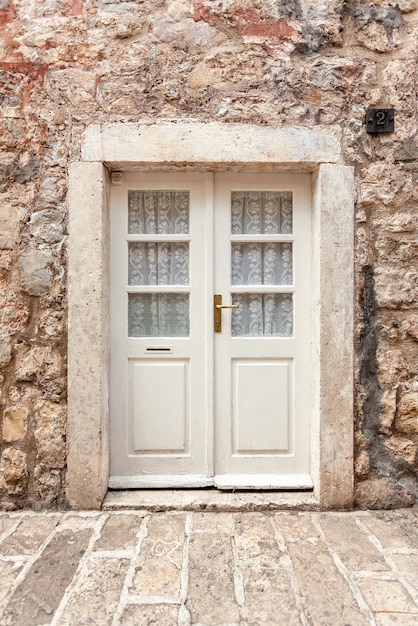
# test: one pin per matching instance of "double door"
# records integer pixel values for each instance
(210, 330)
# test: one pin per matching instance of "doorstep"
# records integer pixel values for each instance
(209, 500)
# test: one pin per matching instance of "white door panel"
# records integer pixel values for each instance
(262, 361)
(161, 354)
(189, 406)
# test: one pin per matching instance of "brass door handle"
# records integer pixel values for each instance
(217, 311)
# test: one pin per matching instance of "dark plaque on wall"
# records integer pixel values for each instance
(380, 120)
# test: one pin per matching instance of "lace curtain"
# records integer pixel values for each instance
(158, 263)
(162, 263)
(158, 315)
(261, 212)
(262, 315)
(261, 263)
(167, 263)
(158, 212)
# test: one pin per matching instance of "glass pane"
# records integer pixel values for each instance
(261, 212)
(261, 263)
(162, 263)
(158, 315)
(158, 212)
(262, 315)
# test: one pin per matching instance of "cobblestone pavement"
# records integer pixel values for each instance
(235, 569)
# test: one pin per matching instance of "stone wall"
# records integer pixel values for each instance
(65, 64)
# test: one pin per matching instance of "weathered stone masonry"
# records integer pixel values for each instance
(65, 64)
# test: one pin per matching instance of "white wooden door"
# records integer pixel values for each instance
(191, 406)
(262, 266)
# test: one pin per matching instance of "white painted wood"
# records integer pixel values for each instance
(170, 427)
(260, 421)
(262, 384)
(162, 481)
(159, 419)
(263, 481)
(160, 399)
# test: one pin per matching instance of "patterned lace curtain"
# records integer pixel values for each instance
(158, 263)
(262, 263)
(158, 212)
(158, 315)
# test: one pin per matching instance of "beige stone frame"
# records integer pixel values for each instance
(215, 147)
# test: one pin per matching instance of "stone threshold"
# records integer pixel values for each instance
(209, 500)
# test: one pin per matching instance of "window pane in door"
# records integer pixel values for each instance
(261, 212)
(158, 315)
(158, 263)
(262, 315)
(158, 212)
(257, 263)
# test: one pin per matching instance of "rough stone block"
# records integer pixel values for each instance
(10, 217)
(13, 472)
(403, 448)
(14, 423)
(34, 362)
(47, 225)
(48, 483)
(50, 419)
(394, 290)
(71, 85)
(13, 311)
(5, 350)
(407, 415)
(35, 273)
(388, 410)
(381, 493)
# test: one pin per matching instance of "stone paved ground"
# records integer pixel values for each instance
(231, 569)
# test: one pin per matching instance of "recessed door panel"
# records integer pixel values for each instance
(159, 406)
(261, 408)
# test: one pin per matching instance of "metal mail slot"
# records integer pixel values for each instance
(158, 349)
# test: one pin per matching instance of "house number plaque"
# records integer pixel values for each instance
(380, 120)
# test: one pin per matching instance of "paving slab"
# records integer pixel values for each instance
(199, 568)
(265, 572)
(329, 598)
(158, 568)
(37, 597)
(29, 535)
(211, 596)
(101, 579)
(119, 531)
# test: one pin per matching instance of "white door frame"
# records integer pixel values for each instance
(215, 147)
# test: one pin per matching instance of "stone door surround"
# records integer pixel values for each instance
(211, 146)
